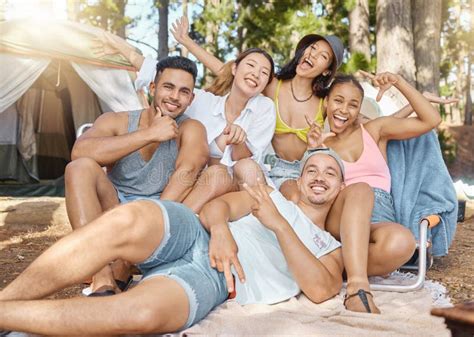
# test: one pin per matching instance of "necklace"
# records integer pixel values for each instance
(296, 98)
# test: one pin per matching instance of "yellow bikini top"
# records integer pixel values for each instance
(281, 127)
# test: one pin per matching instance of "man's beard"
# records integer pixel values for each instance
(318, 200)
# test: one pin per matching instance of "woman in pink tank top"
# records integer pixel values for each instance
(372, 243)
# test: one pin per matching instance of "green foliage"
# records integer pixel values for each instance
(357, 61)
(448, 146)
(276, 26)
(106, 14)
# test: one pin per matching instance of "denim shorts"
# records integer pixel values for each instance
(282, 170)
(183, 256)
(383, 210)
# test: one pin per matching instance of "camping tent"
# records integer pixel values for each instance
(50, 84)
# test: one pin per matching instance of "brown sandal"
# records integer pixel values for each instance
(363, 298)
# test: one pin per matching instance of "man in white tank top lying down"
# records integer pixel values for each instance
(282, 249)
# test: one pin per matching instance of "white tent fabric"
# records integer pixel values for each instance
(120, 97)
(27, 144)
(85, 106)
(18, 74)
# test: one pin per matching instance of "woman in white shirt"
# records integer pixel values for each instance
(239, 125)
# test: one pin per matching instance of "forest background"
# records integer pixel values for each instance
(429, 42)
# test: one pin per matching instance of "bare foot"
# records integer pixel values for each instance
(361, 301)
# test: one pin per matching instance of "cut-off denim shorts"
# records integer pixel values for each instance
(383, 210)
(282, 170)
(183, 256)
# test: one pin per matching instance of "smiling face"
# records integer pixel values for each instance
(252, 74)
(173, 92)
(321, 180)
(316, 60)
(343, 106)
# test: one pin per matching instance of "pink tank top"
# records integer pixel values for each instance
(370, 168)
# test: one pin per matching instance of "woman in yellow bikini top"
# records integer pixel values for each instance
(282, 128)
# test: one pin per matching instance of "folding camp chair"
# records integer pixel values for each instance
(422, 250)
(83, 128)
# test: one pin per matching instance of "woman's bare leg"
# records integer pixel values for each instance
(213, 182)
(391, 245)
(349, 221)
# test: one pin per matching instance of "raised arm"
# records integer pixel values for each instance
(407, 110)
(192, 157)
(107, 141)
(427, 117)
(109, 44)
(180, 29)
(320, 279)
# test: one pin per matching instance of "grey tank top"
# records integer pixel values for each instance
(132, 175)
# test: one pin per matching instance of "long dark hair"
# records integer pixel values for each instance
(320, 83)
(223, 82)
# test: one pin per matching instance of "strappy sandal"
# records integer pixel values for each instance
(362, 296)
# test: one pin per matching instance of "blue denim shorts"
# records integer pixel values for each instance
(183, 256)
(282, 170)
(383, 210)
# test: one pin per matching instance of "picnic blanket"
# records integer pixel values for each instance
(403, 314)
(406, 314)
(421, 186)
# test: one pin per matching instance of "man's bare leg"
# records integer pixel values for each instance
(89, 193)
(138, 231)
(157, 305)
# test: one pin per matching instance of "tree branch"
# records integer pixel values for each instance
(146, 44)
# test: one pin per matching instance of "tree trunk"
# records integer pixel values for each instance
(121, 11)
(395, 38)
(427, 32)
(468, 107)
(460, 81)
(359, 29)
(163, 29)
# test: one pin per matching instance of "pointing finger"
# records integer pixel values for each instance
(380, 94)
(238, 269)
(366, 74)
(228, 277)
(250, 191)
(308, 120)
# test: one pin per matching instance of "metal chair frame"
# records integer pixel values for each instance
(425, 223)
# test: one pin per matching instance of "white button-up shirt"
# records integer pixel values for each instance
(257, 119)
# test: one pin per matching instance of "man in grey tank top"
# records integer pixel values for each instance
(154, 153)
